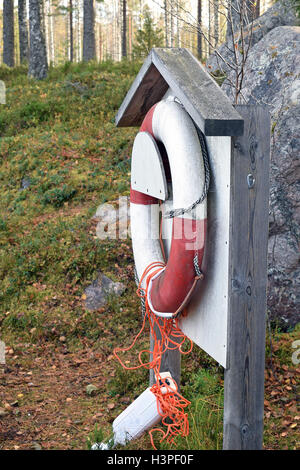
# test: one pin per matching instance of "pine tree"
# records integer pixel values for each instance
(8, 33)
(23, 31)
(124, 28)
(147, 37)
(38, 66)
(89, 46)
(199, 29)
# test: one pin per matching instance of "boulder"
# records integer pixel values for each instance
(97, 294)
(281, 13)
(272, 78)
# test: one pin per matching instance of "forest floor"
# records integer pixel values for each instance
(60, 158)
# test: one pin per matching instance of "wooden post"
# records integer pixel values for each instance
(171, 362)
(244, 378)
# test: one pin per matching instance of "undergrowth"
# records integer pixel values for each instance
(61, 156)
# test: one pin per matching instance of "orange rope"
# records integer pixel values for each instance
(171, 404)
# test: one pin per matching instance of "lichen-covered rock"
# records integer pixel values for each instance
(280, 14)
(97, 294)
(272, 78)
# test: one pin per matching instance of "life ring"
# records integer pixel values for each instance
(170, 290)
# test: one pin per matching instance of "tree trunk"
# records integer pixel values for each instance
(177, 24)
(52, 40)
(71, 30)
(199, 30)
(89, 50)
(216, 22)
(130, 33)
(8, 33)
(257, 9)
(78, 33)
(23, 31)
(166, 23)
(38, 66)
(171, 23)
(124, 28)
(209, 27)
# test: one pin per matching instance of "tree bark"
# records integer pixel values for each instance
(257, 9)
(166, 23)
(124, 28)
(8, 33)
(210, 27)
(71, 30)
(216, 22)
(23, 31)
(38, 66)
(199, 30)
(89, 49)
(52, 38)
(171, 23)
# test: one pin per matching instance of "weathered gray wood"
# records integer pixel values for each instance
(203, 99)
(171, 362)
(244, 379)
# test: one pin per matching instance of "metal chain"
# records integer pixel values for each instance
(143, 307)
(196, 266)
(177, 212)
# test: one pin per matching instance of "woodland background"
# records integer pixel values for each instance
(76, 30)
(61, 157)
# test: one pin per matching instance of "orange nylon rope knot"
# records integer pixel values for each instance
(171, 404)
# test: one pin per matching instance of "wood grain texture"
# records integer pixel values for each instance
(244, 379)
(202, 98)
(147, 89)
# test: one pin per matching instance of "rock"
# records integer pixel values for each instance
(98, 292)
(36, 446)
(91, 390)
(272, 78)
(282, 13)
(3, 413)
(25, 183)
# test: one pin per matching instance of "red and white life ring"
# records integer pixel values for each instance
(169, 291)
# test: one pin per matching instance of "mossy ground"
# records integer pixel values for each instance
(61, 156)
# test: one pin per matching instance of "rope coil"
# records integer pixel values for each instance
(170, 405)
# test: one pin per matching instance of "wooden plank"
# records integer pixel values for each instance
(171, 361)
(147, 89)
(201, 96)
(244, 378)
(203, 99)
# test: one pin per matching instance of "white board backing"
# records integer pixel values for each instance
(207, 320)
(147, 170)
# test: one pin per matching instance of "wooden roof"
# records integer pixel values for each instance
(202, 98)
